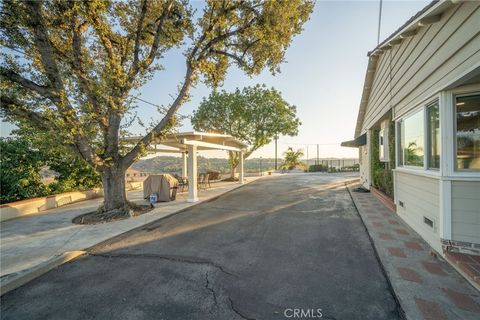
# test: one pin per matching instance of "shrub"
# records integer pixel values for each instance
(19, 171)
(317, 168)
(384, 181)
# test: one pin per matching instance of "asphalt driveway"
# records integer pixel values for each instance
(278, 248)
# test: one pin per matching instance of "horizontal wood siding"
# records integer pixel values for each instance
(466, 211)
(420, 66)
(420, 197)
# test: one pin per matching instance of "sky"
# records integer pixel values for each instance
(323, 76)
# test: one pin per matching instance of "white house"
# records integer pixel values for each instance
(423, 83)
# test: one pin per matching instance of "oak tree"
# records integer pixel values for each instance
(255, 115)
(73, 65)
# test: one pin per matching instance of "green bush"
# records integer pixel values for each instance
(19, 171)
(384, 180)
(317, 168)
(381, 172)
(21, 160)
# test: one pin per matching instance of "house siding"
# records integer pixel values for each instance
(466, 211)
(420, 198)
(422, 65)
(432, 64)
(364, 166)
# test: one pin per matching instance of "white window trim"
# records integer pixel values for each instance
(449, 137)
(383, 137)
(426, 137)
(398, 139)
(419, 172)
(447, 172)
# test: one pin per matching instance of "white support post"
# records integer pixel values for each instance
(447, 163)
(192, 174)
(184, 164)
(240, 178)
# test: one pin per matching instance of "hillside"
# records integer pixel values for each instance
(162, 164)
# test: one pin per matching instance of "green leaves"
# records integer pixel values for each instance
(19, 171)
(253, 35)
(24, 155)
(292, 159)
(74, 65)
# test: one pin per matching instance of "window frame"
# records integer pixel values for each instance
(383, 145)
(422, 170)
(399, 134)
(456, 170)
(428, 142)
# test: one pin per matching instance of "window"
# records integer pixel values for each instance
(411, 140)
(468, 132)
(383, 145)
(434, 141)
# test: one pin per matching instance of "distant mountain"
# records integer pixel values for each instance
(164, 164)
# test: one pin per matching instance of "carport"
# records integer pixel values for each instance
(188, 144)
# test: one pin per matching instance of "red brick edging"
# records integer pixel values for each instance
(386, 200)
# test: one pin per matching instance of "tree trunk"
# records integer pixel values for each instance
(232, 171)
(115, 202)
(233, 159)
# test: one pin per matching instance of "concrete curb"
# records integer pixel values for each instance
(13, 281)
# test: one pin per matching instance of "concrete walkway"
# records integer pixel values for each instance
(426, 286)
(29, 241)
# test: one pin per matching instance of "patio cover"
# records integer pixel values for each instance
(188, 143)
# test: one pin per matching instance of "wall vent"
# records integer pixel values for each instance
(401, 203)
(428, 222)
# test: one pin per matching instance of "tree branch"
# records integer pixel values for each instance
(104, 32)
(138, 65)
(222, 37)
(210, 28)
(14, 77)
(79, 70)
(43, 45)
(59, 98)
(238, 59)
(138, 35)
(131, 156)
(15, 108)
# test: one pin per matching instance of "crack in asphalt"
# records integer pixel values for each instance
(181, 259)
(209, 288)
(184, 259)
(238, 312)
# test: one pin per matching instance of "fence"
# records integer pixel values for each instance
(335, 165)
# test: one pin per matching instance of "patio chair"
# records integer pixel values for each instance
(209, 179)
(213, 176)
(182, 182)
(203, 181)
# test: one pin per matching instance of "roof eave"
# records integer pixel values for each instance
(409, 28)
